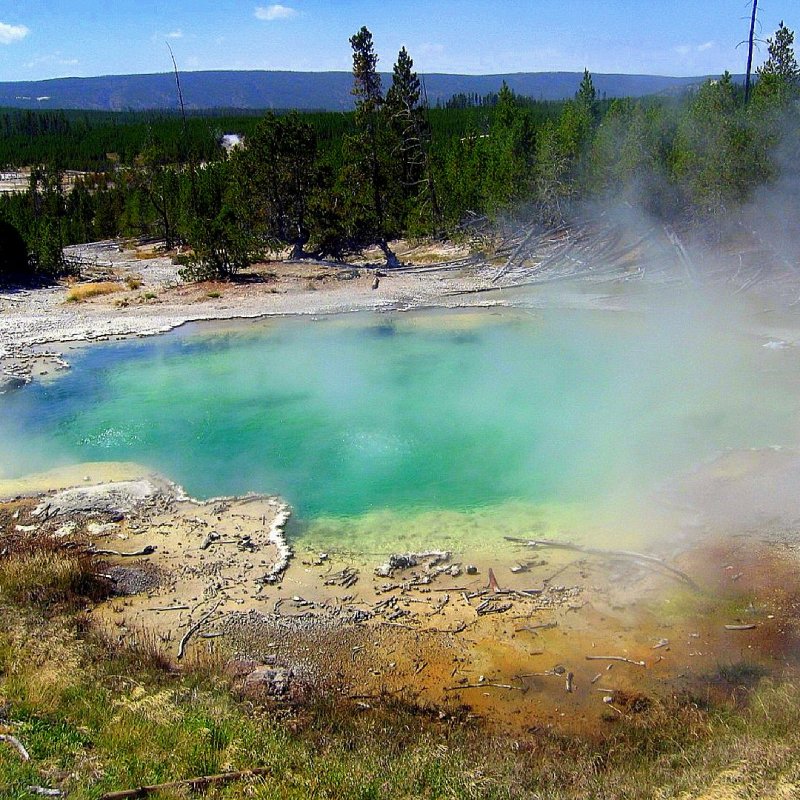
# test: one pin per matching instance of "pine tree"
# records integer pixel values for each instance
(370, 150)
(587, 94)
(779, 76)
(14, 264)
(278, 172)
(409, 125)
(509, 151)
(716, 156)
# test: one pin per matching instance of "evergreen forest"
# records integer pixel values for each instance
(330, 184)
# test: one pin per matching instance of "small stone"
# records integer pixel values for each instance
(472, 569)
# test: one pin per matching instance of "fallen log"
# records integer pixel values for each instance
(484, 686)
(597, 551)
(145, 551)
(747, 627)
(541, 626)
(188, 635)
(16, 744)
(202, 782)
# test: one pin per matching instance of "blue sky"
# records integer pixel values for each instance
(55, 38)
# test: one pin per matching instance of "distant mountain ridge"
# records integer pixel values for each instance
(302, 90)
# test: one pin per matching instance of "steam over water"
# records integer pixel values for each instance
(410, 414)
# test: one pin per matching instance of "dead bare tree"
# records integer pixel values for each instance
(750, 43)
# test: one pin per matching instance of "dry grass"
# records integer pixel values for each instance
(37, 570)
(85, 291)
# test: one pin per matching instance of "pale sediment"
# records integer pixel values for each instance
(30, 320)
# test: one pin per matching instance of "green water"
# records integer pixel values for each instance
(410, 416)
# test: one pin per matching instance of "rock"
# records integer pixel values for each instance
(274, 681)
(121, 497)
(239, 667)
(209, 540)
(10, 382)
(472, 569)
(133, 580)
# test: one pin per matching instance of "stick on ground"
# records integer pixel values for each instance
(596, 551)
(617, 658)
(188, 635)
(202, 782)
(16, 744)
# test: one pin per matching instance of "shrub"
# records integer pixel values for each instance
(15, 265)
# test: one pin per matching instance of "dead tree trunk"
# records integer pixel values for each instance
(750, 53)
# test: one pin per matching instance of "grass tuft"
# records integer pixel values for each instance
(85, 291)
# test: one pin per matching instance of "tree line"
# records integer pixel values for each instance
(333, 184)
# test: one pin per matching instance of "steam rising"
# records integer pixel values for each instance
(448, 412)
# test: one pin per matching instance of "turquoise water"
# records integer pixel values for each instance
(411, 412)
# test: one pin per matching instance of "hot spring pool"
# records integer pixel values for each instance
(370, 424)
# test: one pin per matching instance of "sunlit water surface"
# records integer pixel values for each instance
(386, 430)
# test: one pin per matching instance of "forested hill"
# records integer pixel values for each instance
(301, 90)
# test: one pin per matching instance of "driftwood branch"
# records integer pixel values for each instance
(202, 782)
(145, 551)
(484, 686)
(196, 627)
(617, 658)
(597, 551)
(16, 744)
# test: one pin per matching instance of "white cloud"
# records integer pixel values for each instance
(178, 34)
(685, 49)
(274, 12)
(429, 49)
(52, 59)
(12, 33)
